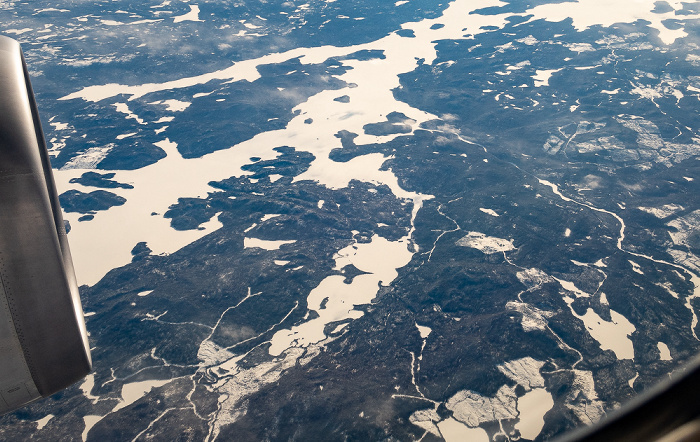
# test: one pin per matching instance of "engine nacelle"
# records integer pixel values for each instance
(43, 341)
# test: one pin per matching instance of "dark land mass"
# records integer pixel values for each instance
(103, 180)
(77, 201)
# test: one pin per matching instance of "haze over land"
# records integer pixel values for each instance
(421, 220)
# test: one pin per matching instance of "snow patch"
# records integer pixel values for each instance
(525, 371)
(193, 15)
(533, 277)
(173, 105)
(542, 76)
(474, 409)
(489, 211)
(533, 318)
(685, 226)
(41, 423)
(635, 267)
(486, 244)
(426, 420)
(662, 212)
(249, 243)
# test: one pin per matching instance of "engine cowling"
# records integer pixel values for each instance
(43, 340)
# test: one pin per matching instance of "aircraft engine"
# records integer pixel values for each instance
(43, 340)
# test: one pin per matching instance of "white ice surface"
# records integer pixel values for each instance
(174, 105)
(372, 99)
(630, 382)
(134, 391)
(424, 331)
(90, 421)
(455, 431)
(532, 406)
(611, 335)
(86, 387)
(571, 287)
(380, 259)
(587, 13)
